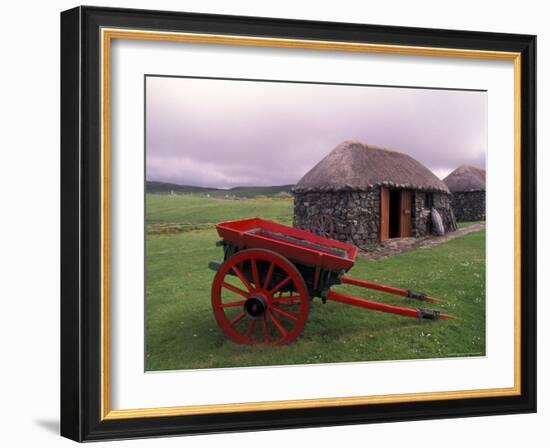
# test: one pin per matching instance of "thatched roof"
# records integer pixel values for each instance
(356, 166)
(466, 178)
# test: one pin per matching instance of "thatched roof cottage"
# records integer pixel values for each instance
(467, 184)
(369, 194)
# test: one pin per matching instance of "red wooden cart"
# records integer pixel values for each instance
(270, 272)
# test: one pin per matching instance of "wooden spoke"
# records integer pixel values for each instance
(268, 275)
(243, 279)
(284, 313)
(255, 276)
(277, 324)
(233, 321)
(235, 289)
(230, 304)
(280, 285)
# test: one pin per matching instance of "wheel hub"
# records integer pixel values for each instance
(255, 306)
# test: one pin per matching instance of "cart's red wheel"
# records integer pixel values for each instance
(247, 300)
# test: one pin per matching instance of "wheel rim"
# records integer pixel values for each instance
(323, 226)
(259, 297)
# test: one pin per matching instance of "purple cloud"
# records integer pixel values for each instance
(222, 133)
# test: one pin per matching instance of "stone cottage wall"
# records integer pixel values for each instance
(421, 215)
(469, 206)
(355, 214)
(422, 220)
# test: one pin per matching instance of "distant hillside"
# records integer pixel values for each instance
(245, 192)
(166, 187)
(250, 192)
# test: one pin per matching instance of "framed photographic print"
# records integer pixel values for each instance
(273, 223)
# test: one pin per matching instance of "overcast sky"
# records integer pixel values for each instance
(221, 133)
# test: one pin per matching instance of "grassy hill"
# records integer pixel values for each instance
(244, 192)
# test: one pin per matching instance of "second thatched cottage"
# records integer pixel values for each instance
(467, 184)
(365, 195)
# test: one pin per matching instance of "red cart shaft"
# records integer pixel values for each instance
(388, 289)
(377, 306)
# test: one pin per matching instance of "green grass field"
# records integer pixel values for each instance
(181, 332)
(170, 214)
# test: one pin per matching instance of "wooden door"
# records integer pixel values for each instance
(405, 216)
(384, 213)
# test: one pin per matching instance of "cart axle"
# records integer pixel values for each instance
(255, 306)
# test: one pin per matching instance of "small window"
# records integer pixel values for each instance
(429, 200)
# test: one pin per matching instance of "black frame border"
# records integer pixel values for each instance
(81, 223)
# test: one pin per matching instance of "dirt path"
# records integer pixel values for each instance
(399, 245)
